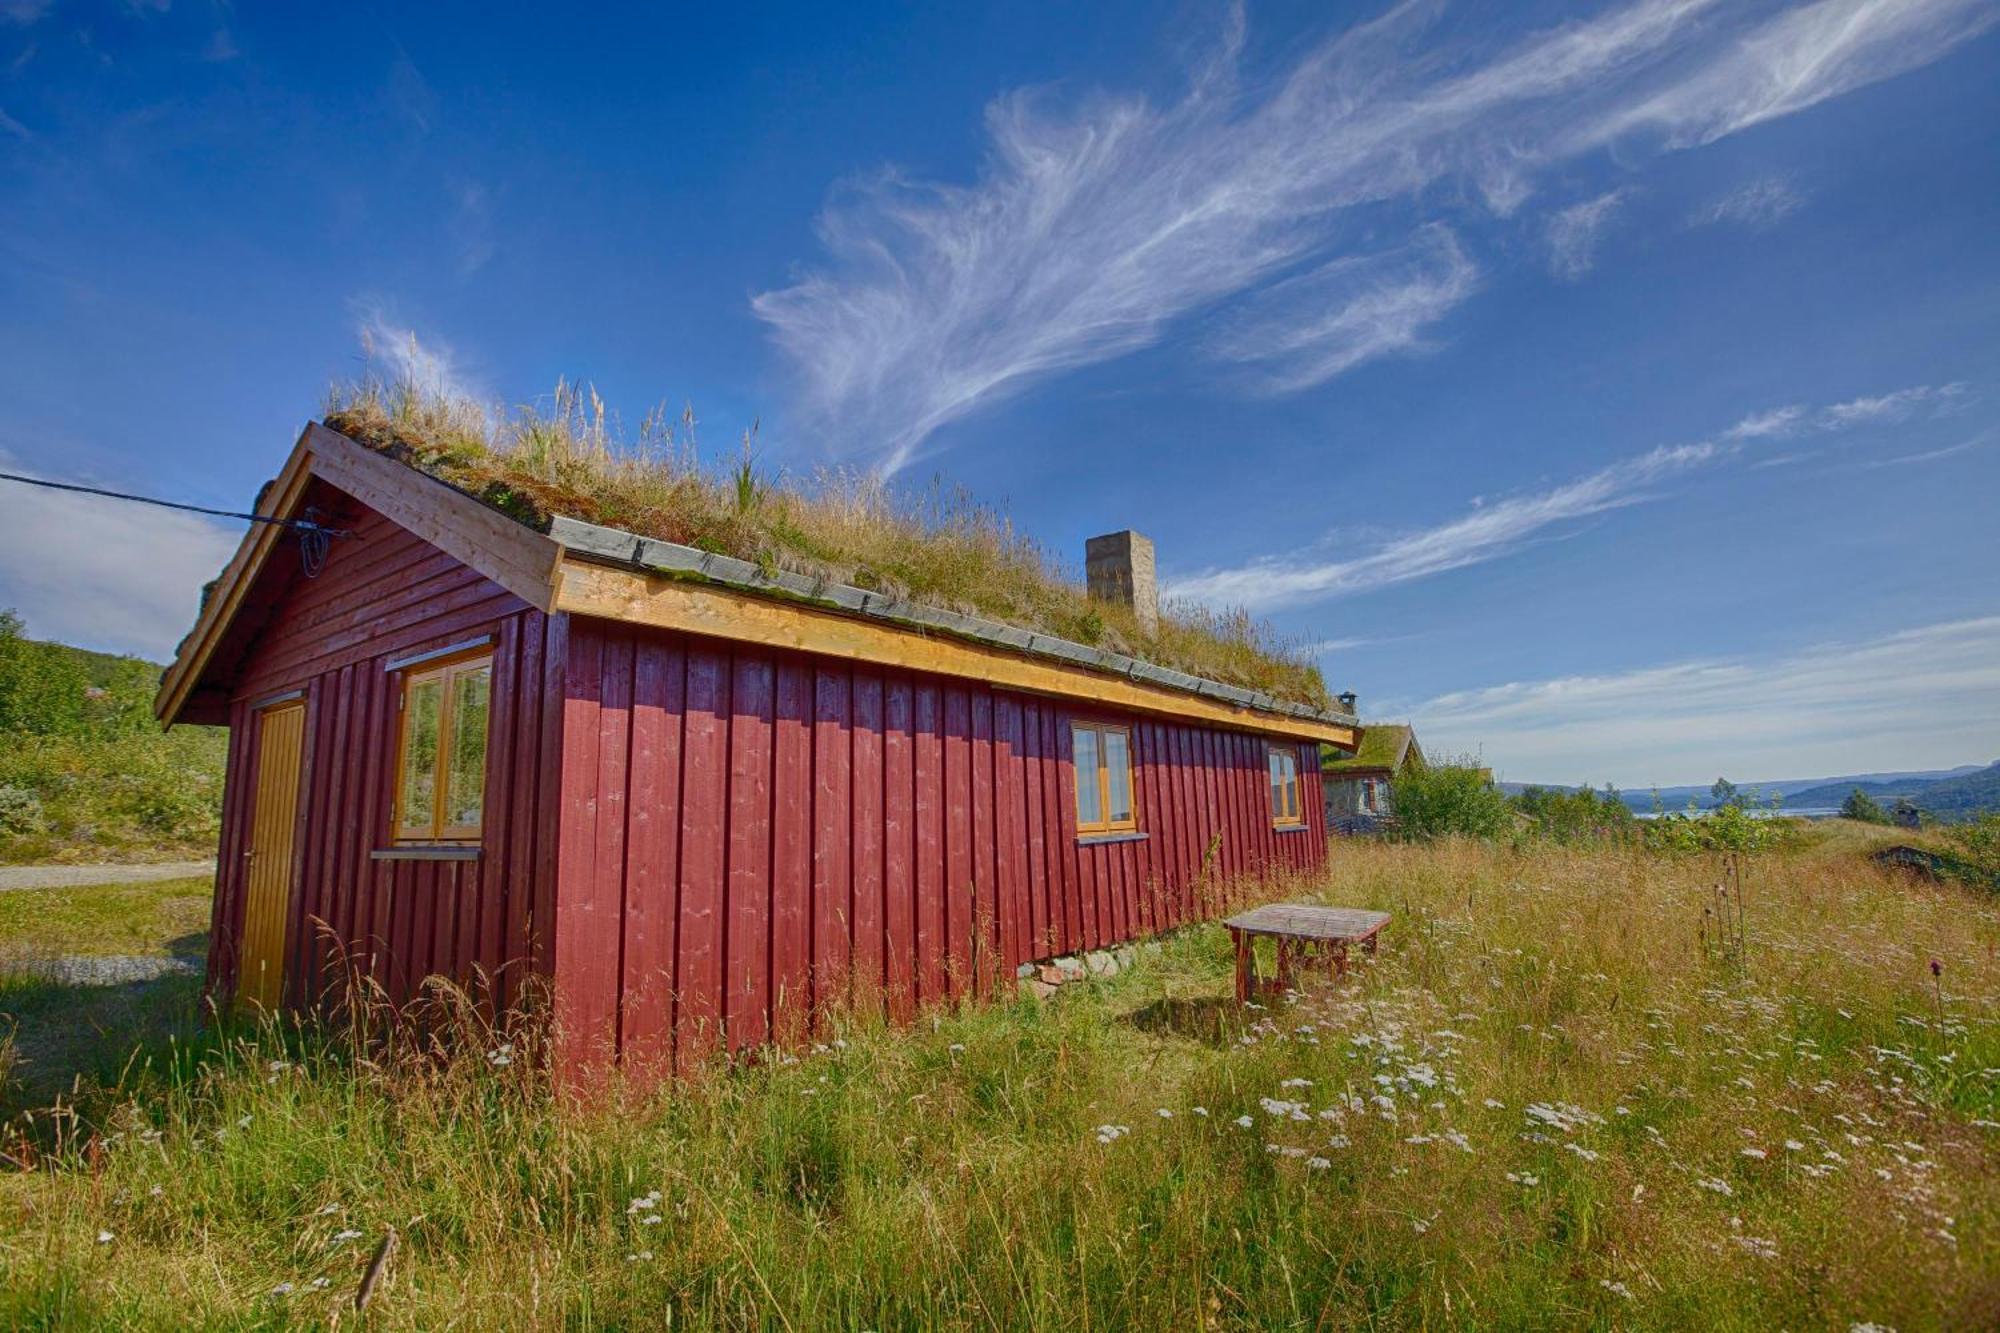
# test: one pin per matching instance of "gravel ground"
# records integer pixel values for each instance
(70, 877)
(107, 970)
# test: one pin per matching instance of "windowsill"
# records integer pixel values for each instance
(427, 851)
(1099, 839)
(1291, 828)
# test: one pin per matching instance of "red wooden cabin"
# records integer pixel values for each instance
(695, 798)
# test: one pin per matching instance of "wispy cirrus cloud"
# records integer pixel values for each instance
(1097, 222)
(1900, 405)
(1757, 205)
(1930, 697)
(1307, 329)
(1574, 233)
(1798, 59)
(1493, 529)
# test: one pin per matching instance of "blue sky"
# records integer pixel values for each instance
(1612, 389)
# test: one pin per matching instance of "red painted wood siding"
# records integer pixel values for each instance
(385, 593)
(778, 828)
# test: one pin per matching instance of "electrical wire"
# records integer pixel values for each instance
(315, 537)
(298, 524)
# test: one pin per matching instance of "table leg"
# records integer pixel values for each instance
(1242, 966)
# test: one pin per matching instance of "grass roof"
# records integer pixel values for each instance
(932, 545)
(1382, 746)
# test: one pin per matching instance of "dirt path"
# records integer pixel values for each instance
(69, 877)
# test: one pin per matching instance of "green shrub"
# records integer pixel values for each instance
(1450, 798)
(1860, 805)
(1978, 843)
(1727, 828)
(1575, 817)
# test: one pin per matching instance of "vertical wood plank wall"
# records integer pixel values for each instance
(746, 834)
(385, 593)
(701, 845)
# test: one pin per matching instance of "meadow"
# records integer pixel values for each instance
(1563, 1096)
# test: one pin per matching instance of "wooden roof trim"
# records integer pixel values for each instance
(512, 555)
(177, 681)
(593, 589)
(625, 550)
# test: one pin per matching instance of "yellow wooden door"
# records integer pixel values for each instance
(260, 975)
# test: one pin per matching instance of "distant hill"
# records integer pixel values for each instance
(1948, 798)
(1937, 790)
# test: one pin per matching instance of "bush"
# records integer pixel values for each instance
(1453, 798)
(21, 811)
(1727, 828)
(1576, 817)
(1978, 844)
(1860, 805)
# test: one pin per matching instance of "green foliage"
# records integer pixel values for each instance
(84, 770)
(1575, 817)
(1449, 798)
(1727, 828)
(1861, 806)
(1978, 843)
(1725, 793)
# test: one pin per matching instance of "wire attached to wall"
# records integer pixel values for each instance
(315, 537)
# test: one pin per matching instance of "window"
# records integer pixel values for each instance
(1285, 811)
(1103, 779)
(441, 757)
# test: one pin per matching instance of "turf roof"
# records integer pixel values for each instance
(1382, 747)
(939, 548)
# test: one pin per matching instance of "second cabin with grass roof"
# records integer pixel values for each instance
(702, 756)
(1360, 787)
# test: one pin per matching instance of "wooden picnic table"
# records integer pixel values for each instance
(1301, 930)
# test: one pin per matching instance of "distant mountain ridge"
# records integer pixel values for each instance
(1945, 792)
(1948, 797)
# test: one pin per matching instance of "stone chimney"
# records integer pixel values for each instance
(1349, 701)
(1119, 566)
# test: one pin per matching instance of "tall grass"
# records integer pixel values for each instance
(938, 546)
(1544, 1105)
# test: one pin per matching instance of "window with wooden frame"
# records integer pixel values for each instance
(1103, 758)
(1286, 812)
(441, 750)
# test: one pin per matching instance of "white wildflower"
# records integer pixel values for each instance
(1757, 1153)
(1615, 1288)
(342, 1237)
(1318, 1163)
(1201, 1111)
(1244, 1122)
(1711, 1183)
(282, 1289)
(105, 1238)
(1296, 1083)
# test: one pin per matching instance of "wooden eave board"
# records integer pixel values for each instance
(513, 556)
(590, 589)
